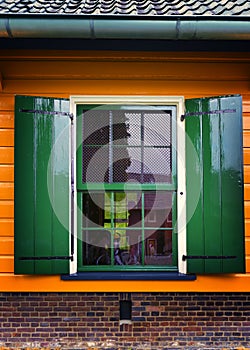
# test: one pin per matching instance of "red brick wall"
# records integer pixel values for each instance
(91, 320)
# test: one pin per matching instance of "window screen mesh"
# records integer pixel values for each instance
(121, 146)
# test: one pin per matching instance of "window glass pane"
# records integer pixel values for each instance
(158, 228)
(95, 146)
(130, 256)
(127, 247)
(96, 127)
(157, 208)
(93, 211)
(120, 124)
(129, 146)
(134, 129)
(111, 209)
(130, 228)
(158, 248)
(96, 247)
(120, 163)
(157, 129)
(111, 217)
(93, 156)
(127, 228)
(134, 171)
(157, 165)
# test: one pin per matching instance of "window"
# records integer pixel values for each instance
(143, 187)
(126, 172)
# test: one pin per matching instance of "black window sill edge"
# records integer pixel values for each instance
(129, 276)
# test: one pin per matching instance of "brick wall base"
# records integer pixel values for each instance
(91, 321)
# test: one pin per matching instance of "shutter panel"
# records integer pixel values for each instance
(214, 178)
(42, 185)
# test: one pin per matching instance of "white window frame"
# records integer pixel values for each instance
(178, 102)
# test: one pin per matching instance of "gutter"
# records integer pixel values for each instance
(160, 28)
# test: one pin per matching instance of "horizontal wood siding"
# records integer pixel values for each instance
(6, 183)
(78, 73)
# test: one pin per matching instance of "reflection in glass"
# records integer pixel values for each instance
(157, 129)
(132, 228)
(158, 248)
(96, 247)
(157, 165)
(102, 130)
(127, 228)
(157, 208)
(129, 146)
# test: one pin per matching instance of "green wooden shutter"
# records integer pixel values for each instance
(42, 185)
(214, 178)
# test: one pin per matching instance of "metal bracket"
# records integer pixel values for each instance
(217, 111)
(46, 258)
(206, 257)
(70, 115)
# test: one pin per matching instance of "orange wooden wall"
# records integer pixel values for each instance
(62, 74)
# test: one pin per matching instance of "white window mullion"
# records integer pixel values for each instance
(181, 190)
(111, 160)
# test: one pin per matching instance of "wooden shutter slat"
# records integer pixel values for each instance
(215, 227)
(232, 185)
(39, 167)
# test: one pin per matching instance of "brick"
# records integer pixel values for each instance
(208, 318)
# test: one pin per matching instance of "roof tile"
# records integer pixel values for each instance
(129, 7)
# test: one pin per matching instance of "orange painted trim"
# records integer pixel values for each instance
(6, 155)
(124, 87)
(6, 209)
(246, 138)
(247, 192)
(246, 174)
(246, 121)
(246, 154)
(247, 228)
(247, 246)
(214, 283)
(247, 210)
(6, 173)
(7, 263)
(7, 119)
(65, 73)
(6, 245)
(7, 227)
(95, 55)
(6, 137)
(246, 106)
(7, 103)
(248, 263)
(6, 191)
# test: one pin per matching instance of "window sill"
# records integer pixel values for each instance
(129, 275)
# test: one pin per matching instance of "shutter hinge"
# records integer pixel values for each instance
(46, 258)
(70, 115)
(217, 111)
(203, 257)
